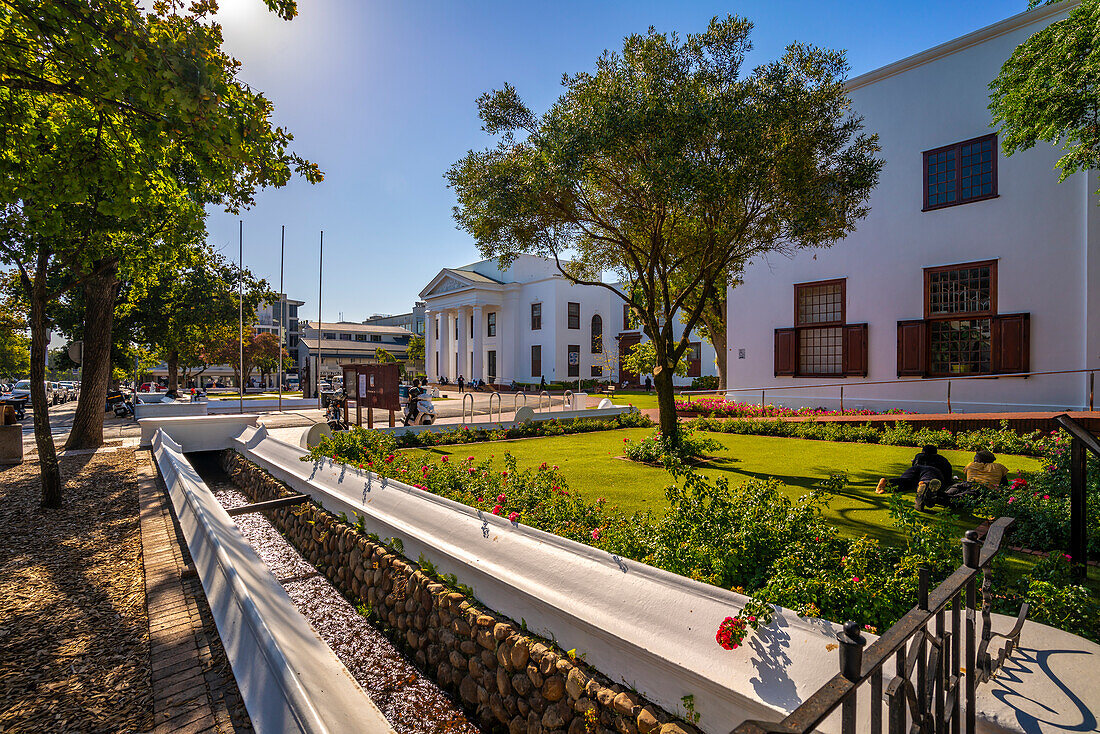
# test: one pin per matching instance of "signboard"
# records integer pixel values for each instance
(574, 358)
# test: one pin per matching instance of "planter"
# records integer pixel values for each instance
(11, 445)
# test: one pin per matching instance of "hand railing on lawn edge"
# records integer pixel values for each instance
(500, 400)
(515, 400)
(471, 397)
(922, 381)
(940, 698)
(1082, 441)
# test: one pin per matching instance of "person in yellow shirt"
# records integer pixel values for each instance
(986, 471)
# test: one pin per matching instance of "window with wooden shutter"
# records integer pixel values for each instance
(786, 352)
(912, 350)
(855, 350)
(1011, 336)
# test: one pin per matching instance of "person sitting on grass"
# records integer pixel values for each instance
(927, 474)
(982, 473)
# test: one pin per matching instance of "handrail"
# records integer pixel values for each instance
(549, 400)
(935, 697)
(567, 399)
(471, 397)
(500, 400)
(1078, 492)
(515, 399)
(1079, 432)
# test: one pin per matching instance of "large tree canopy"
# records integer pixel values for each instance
(670, 167)
(1049, 90)
(121, 122)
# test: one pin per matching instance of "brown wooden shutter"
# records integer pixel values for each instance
(912, 348)
(1011, 343)
(855, 350)
(786, 352)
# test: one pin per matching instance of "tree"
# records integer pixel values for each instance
(1049, 90)
(641, 359)
(181, 310)
(382, 356)
(671, 169)
(120, 125)
(15, 353)
(712, 319)
(415, 349)
(260, 348)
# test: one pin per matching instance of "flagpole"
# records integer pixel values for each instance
(240, 304)
(320, 272)
(282, 315)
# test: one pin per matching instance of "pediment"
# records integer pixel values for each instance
(447, 284)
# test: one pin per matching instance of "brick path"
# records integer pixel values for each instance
(193, 686)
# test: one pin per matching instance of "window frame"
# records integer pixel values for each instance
(569, 315)
(570, 369)
(536, 325)
(490, 325)
(957, 148)
(375, 338)
(536, 361)
(800, 327)
(596, 339)
(929, 317)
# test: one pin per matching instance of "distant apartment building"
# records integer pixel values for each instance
(346, 342)
(413, 320)
(268, 316)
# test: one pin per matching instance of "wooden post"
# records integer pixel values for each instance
(1078, 531)
(358, 408)
(370, 417)
(393, 418)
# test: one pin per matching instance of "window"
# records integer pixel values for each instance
(345, 337)
(360, 337)
(820, 344)
(574, 360)
(536, 360)
(694, 358)
(492, 359)
(960, 302)
(456, 328)
(573, 311)
(491, 324)
(819, 320)
(436, 322)
(597, 370)
(471, 325)
(376, 337)
(328, 335)
(960, 173)
(597, 334)
(536, 316)
(293, 312)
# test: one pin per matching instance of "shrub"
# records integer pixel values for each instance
(705, 382)
(657, 448)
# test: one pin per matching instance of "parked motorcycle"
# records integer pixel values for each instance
(124, 408)
(335, 413)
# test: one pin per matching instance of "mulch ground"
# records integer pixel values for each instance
(74, 650)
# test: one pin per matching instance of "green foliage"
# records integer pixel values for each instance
(531, 429)
(415, 349)
(15, 353)
(657, 448)
(705, 382)
(671, 166)
(1049, 90)
(641, 359)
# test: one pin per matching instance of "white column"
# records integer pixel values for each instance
(429, 346)
(461, 346)
(444, 342)
(477, 344)
(506, 349)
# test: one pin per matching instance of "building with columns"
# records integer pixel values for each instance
(528, 322)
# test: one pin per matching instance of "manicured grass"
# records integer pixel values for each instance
(589, 464)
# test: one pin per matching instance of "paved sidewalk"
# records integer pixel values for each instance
(193, 686)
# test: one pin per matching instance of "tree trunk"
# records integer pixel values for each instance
(173, 370)
(713, 319)
(47, 453)
(100, 291)
(666, 403)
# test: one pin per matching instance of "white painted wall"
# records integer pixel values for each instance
(1045, 236)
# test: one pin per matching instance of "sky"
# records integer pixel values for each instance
(382, 96)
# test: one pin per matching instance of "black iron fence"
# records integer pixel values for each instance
(939, 656)
(1082, 441)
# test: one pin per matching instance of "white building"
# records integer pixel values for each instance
(527, 323)
(969, 263)
(268, 316)
(346, 342)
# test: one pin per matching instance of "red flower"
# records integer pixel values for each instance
(513, 517)
(595, 533)
(497, 509)
(501, 499)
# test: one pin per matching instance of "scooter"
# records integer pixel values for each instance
(124, 408)
(425, 410)
(334, 414)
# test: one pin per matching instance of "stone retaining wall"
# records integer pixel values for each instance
(508, 678)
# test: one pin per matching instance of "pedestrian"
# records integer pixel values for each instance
(928, 472)
(542, 383)
(461, 382)
(648, 384)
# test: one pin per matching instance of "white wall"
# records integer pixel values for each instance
(1035, 229)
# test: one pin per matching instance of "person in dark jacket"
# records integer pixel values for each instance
(928, 472)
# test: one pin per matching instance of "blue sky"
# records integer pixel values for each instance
(381, 95)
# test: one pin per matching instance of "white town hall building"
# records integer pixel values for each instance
(528, 322)
(969, 263)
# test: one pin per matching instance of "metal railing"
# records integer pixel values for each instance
(499, 410)
(1082, 440)
(567, 400)
(936, 672)
(921, 381)
(549, 400)
(471, 397)
(515, 399)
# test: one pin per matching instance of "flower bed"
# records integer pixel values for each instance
(722, 408)
(530, 429)
(748, 537)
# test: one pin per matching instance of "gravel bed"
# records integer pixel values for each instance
(74, 646)
(411, 702)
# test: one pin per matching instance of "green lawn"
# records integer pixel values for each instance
(589, 463)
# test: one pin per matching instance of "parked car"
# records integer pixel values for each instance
(71, 389)
(22, 389)
(150, 387)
